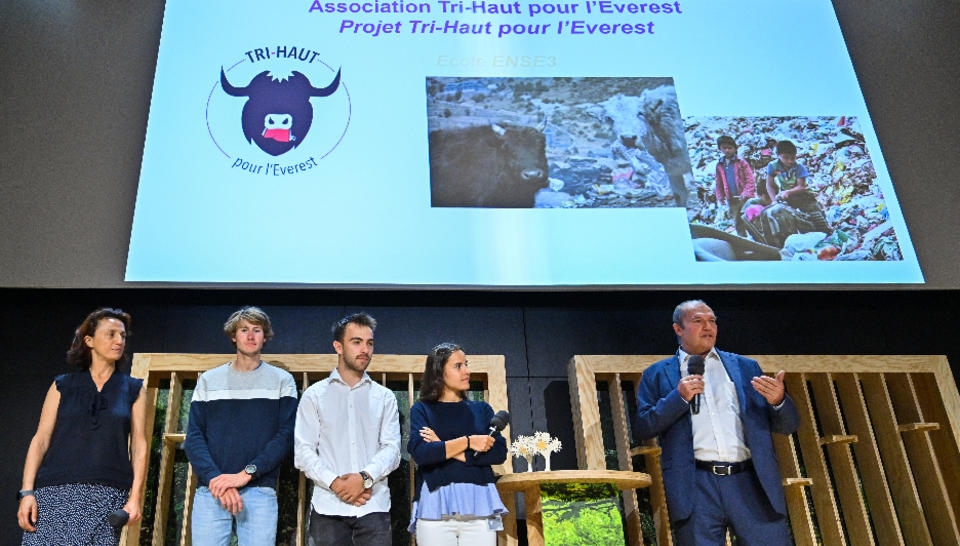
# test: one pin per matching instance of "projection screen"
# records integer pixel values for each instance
(512, 144)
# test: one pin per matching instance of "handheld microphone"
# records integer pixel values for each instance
(695, 366)
(498, 422)
(118, 518)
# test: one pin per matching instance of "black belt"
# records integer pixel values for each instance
(724, 469)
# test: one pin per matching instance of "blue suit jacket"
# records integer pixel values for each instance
(662, 412)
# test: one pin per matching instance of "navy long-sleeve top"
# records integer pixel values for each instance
(451, 420)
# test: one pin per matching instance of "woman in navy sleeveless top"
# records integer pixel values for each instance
(79, 469)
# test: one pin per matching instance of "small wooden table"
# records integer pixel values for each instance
(528, 483)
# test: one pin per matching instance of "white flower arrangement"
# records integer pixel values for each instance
(545, 446)
(540, 443)
(524, 446)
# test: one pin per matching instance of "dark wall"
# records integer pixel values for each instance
(537, 333)
(76, 78)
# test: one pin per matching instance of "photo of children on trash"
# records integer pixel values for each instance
(785, 188)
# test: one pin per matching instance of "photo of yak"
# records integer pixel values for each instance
(556, 143)
(491, 165)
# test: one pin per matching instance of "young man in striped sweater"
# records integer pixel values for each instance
(242, 419)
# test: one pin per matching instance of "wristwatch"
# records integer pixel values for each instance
(24, 493)
(251, 469)
(367, 480)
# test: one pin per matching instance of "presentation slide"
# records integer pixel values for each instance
(459, 143)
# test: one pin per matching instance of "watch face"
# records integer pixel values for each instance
(250, 469)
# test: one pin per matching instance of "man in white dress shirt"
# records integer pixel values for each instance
(347, 440)
(719, 467)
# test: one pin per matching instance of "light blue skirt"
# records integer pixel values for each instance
(459, 500)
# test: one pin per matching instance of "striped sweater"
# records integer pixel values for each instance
(241, 418)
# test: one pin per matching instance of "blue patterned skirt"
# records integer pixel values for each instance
(76, 515)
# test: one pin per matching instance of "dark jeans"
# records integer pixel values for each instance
(371, 529)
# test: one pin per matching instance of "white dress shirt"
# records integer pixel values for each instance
(717, 429)
(343, 430)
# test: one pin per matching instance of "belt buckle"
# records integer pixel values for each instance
(721, 470)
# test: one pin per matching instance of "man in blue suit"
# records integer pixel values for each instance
(719, 467)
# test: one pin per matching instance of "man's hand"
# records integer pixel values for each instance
(231, 501)
(771, 389)
(364, 497)
(348, 487)
(690, 386)
(481, 442)
(225, 481)
(27, 513)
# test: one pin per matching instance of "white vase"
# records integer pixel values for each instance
(546, 458)
(529, 463)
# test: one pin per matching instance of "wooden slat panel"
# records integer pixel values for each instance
(798, 509)
(156, 366)
(651, 451)
(531, 498)
(794, 364)
(185, 537)
(874, 478)
(586, 414)
(944, 442)
(904, 400)
(932, 489)
(495, 394)
(828, 519)
(872, 468)
(412, 464)
(166, 475)
(509, 535)
(160, 363)
(302, 501)
(841, 459)
(621, 434)
(166, 461)
(894, 458)
(786, 456)
(926, 472)
(658, 496)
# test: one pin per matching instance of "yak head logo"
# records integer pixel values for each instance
(278, 113)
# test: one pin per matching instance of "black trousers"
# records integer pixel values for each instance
(371, 529)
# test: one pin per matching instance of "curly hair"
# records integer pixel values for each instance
(79, 354)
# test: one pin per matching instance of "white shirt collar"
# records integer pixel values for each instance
(682, 356)
(335, 376)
